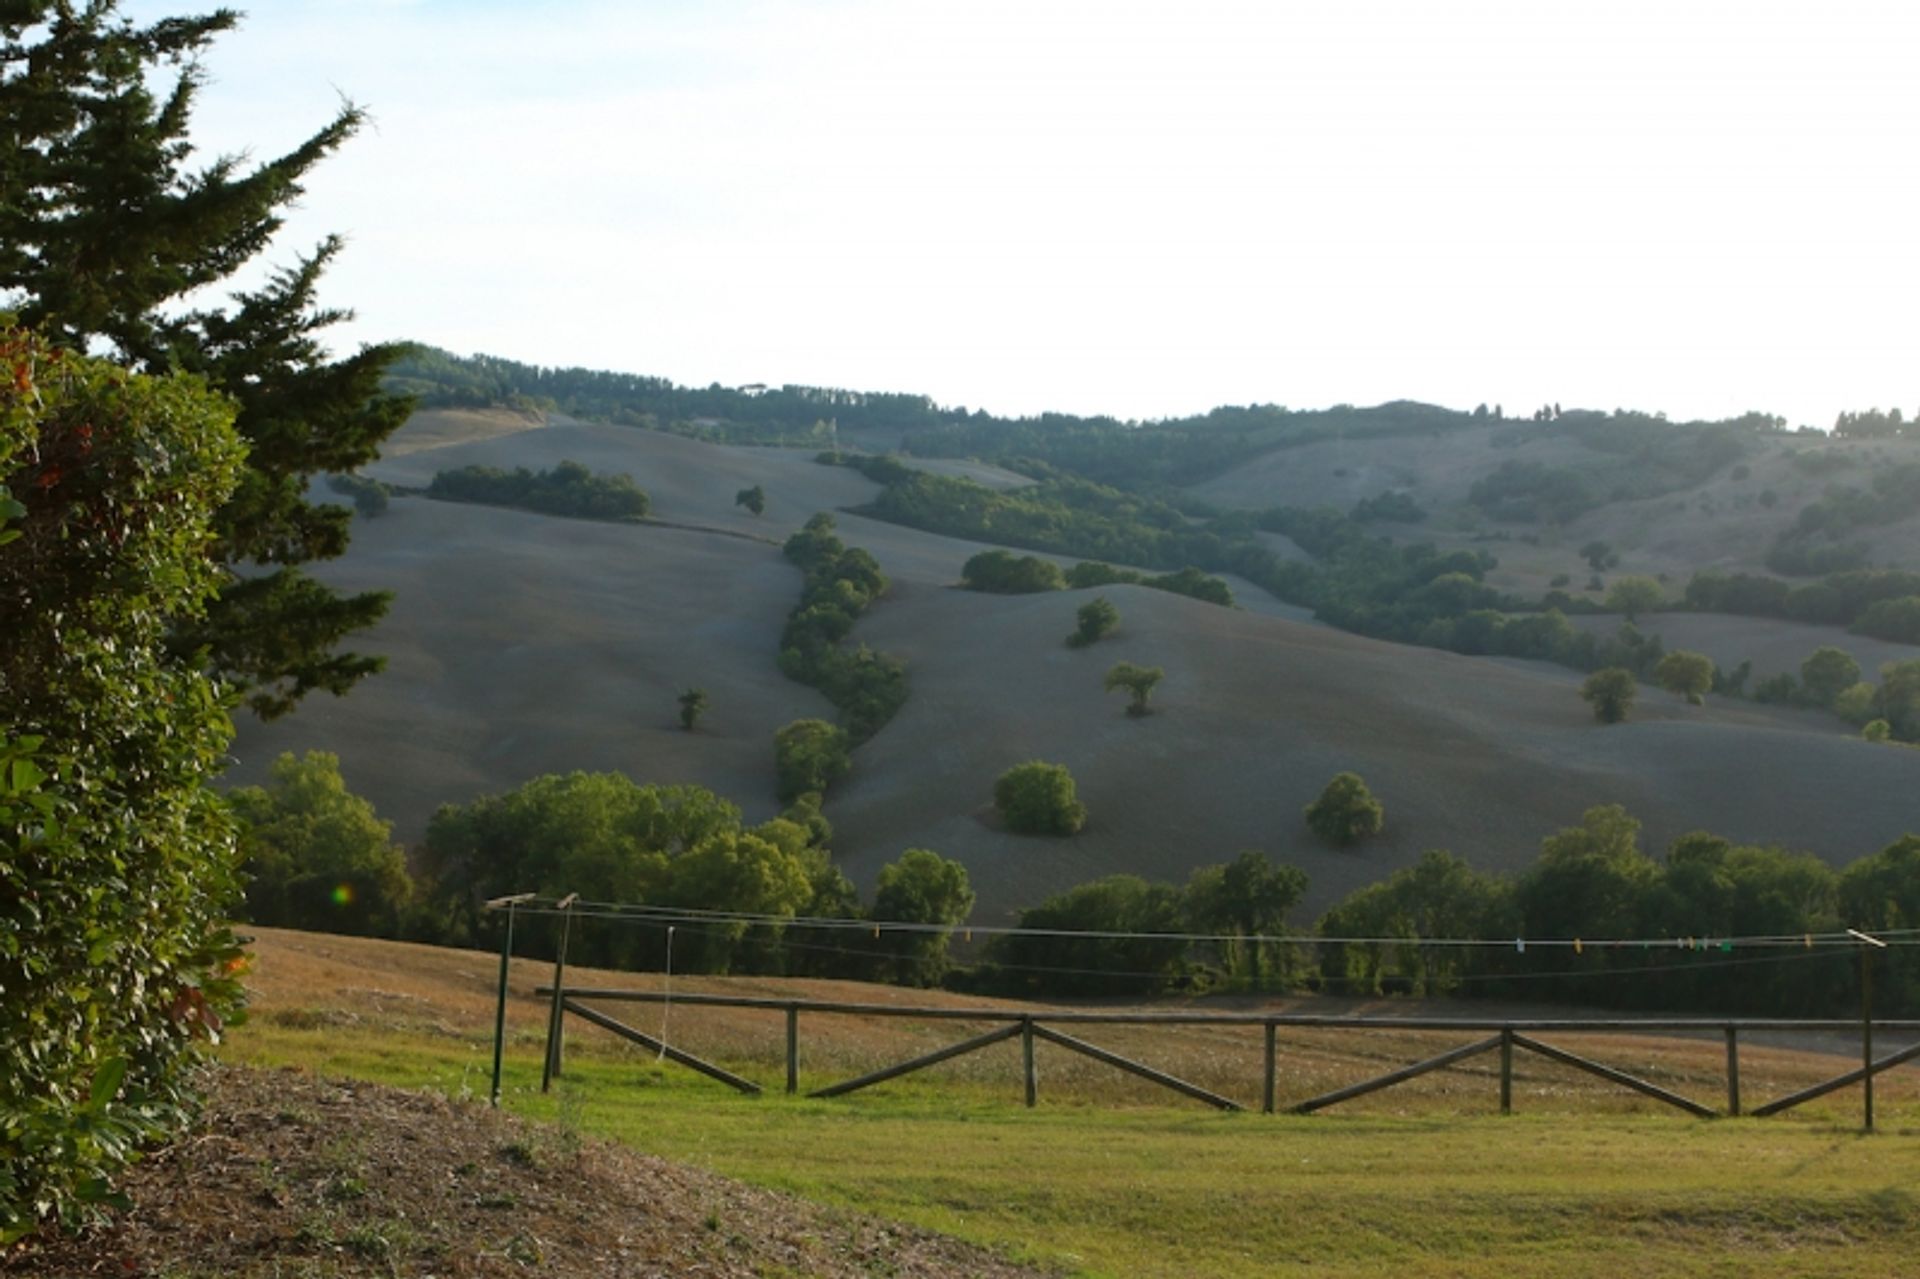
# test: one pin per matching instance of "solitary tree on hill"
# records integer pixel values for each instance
(1037, 798)
(1610, 692)
(754, 499)
(692, 702)
(1097, 618)
(1139, 681)
(1346, 811)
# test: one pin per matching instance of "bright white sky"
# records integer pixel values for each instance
(1141, 209)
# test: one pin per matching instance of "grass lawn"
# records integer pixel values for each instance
(1175, 1189)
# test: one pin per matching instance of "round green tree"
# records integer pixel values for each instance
(1634, 596)
(1097, 618)
(1037, 798)
(1685, 674)
(1346, 811)
(1610, 692)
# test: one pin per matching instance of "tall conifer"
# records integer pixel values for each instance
(110, 227)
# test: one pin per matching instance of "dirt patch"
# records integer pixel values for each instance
(290, 1174)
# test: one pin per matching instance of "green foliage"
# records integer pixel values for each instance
(1876, 730)
(609, 839)
(1440, 896)
(1685, 674)
(317, 857)
(1610, 692)
(1250, 897)
(1189, 581)
(1899, 700)
(369, 496)
(1897, 620)
(569, 489)
(1527, 492)
(1390, 507)
(1819, 541)
(112, 236)
(1600, 556)
(1345, 811)
(117, 864)
(1001, 573)
(1138, 681)
(868, 688)
(754, 499)
(1137, 964)
(810, 755)
(1097, 619)
(692, 703)
(1634, 595)
(922, 887)
(1037, 798)
(1827, 673)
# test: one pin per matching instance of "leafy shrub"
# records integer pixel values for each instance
(1610, 692)
(1097, 618)
(1037, 798)
(117, 864)
(809, 755)
(1345, 811)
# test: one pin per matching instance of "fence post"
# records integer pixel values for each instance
(500, 1006)
(1733, 1070)
(793, 1048)
(1026, 1057)
(1506, 1070)
(556, 1015)
(1266, 1104)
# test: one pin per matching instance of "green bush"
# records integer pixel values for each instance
(1346, 811)
(1096, 618)
(1610, 692)
(1037, 798)
(117, 864)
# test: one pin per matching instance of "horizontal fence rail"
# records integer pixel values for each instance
(1502, 1035)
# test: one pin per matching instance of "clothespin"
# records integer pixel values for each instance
(1576, 945)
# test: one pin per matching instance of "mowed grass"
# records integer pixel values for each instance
(1088, 1185)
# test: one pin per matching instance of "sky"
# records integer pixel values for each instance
(1137, 209)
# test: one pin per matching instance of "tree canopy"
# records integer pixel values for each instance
(1610, 692)
(1346, 811)
(118, 867)
(109, 230)
(1037, 798)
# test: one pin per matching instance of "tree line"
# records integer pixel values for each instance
(319, 858)
(569, 490)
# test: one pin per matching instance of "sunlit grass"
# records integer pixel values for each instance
(1435, 1185)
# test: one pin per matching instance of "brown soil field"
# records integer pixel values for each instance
(521, 644)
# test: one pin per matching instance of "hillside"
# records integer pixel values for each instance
(523, 644)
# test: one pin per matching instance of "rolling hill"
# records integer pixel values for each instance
(522, 644)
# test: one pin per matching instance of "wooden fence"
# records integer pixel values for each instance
(1030, 1026)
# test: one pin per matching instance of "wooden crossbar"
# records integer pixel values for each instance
(918, 1063)
(1620, 1077)
(1133, 1067)
(1414, 1071)
(647, 1041)
(1838, 1082)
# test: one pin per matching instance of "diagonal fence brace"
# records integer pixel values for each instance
(918, 1063)
(1133, 1067)
(1414, 1071)
(671, 1053)
(1835, 1084)
(1620, 1077)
